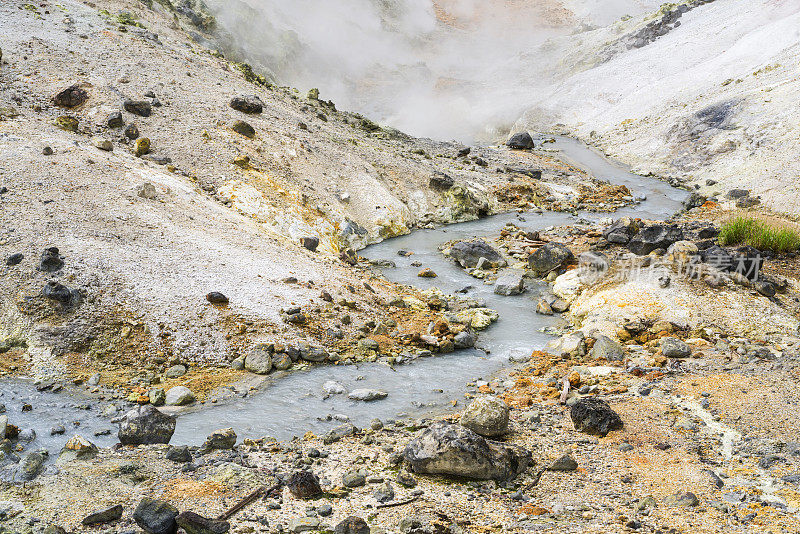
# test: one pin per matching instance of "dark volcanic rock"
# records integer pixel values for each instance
(103, 516)
(441, 181)
(657, 236)
(304, 485)
(155, 516)
(468, 253)
(215, 297)
(311, 243)
(60, 293)
(448, 449)
(520, 141)
(247, 104)
(594, 416)
(179, 454)
(621, 231)
(15, 259)
(115, 120)
(352, 525)
(549, 257)
(145, 425)
(143, 108)
(71, 97)
(194, 523)
(243, 128)
(51, 260)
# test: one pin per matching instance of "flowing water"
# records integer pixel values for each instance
(294, 404)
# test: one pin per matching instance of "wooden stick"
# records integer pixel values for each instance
(248, 500)
(396, 503)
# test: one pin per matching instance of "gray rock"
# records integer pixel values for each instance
(352, 525)
(606, 348)
(303, 485)
(77, 448)
(258, 360)
(565, 463)
(354, 478)
(549, 257)
(145, 425)
(672, 347)
(193, 523)
(243, 128)
(341, 431)
(220, 440)
(594, 416)
(157, 396)
(31, 465)
(179, 454)
(621, 231)
(313, 354)
(468, 253)
(487, 416)
(179, 396)
(106, 515)
(384, 492)
(176, 371)
(155, 516)
(331, 387)
(448, 449)
(465, 339)
(687, 499)
(596, 261)
(303, 524)
(142, 108)
(656, 236)
(365, 394)
(510, 282)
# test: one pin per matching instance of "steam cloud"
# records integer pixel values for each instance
(458, 69)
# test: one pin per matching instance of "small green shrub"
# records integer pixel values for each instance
(759, 234)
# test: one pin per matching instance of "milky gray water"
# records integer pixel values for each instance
(295, 404)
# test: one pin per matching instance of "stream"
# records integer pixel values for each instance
(296, 403)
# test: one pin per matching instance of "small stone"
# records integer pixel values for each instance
(594, 416)
(72, 96)
(142, 108)
(216, 298)
(51, 261)
(672, 347)
(354, 478)
(384, 492)
(146, 425)
(141, 147)
(103, 144)
(176, 371)
(77, 448)
(179, 396)
(487, 416)
(687, 499)
(103, 516)
(15, 259)
(520, 141)
(303, 524)
(250, 104)
(67, 123)
(155, 516)
(352, 525)
(47, 151)
(193, 523)
(157, 396)
(115, 120)
(132, 132)
(565, 463)
(243, 128)
(427, 273)
(304, 485)
(310, 243)
(220, 440)
(367, 395)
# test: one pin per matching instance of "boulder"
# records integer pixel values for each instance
(155, 516)
(606, 348)
(250, 104)
(179, 454)
(520, 141)
(468, 253)
(594, 416)
(510, 282)
(71, 97)
(672, 347)
(448, 449)
(549, 257)
(145, 425)
(31, 465)
(259, 360)
(657, 236)
(487, 416)
(464, 340)
(193, 523)
(569, 345)
(179, 396)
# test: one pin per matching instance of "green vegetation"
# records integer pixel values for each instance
(760, 234)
